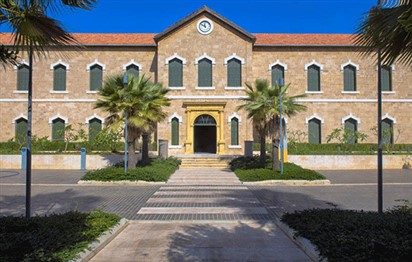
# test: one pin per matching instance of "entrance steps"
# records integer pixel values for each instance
(204, 161)
(203, 177)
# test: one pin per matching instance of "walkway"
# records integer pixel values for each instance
(202, 215)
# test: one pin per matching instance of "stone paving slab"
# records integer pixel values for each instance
(202, 210)
(227, 200)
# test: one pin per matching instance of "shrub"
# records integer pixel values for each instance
(57, 237)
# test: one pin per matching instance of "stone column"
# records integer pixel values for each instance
(163, 148)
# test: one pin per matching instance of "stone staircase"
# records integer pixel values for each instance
(204, 161)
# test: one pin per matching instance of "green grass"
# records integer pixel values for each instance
(158, 170)
(57, 237)
(248, 170)
(348, 235)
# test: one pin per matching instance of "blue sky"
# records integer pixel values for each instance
(261, 16)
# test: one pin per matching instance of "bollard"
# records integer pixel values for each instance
(23, 158)
(83, 159)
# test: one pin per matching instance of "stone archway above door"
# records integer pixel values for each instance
(196, 109)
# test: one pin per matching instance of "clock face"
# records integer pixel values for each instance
(204, 26)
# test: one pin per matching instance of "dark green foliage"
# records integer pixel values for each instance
(249, 169)
(57, 237)
(348, 235)
(156, 170)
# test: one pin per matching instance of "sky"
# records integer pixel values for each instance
(255, 16)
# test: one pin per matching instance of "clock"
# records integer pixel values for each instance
(204, 26)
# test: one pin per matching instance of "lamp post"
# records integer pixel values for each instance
(281, 84)
(126, 133)
(29, 137)
(380, 157)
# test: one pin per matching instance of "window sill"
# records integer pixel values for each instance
(234, 88)
(388, 92)
(350, 92)
(174, 147)
(176, 88)
(20, 91)
(205, 88)
(91, 92)
(58, 92)
(235, 146)
(314, 92)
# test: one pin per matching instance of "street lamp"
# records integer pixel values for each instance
(281, 84)
(380, 156)
(126, 135)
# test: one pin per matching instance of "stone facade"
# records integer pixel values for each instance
(184, 41)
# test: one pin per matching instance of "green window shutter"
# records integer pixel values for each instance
(59, 78)
(386, 78)
(133, 70)
(21, 130)
(351, 127)
(58, 126)
(96, 77)
(313, 78)
(315, 135)
(277, 72)
(23, 78)
(234, 131)
(175, 131)
(387, 131)
(349, 78)
(95, 126)
(234, 73)
(175, 73)
(205, 73)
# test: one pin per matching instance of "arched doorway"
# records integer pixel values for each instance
(205, 134)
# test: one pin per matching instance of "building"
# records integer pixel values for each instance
(205, 60)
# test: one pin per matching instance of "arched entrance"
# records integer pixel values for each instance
(205, 134)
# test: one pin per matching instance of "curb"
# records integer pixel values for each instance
(289, 182)
(306, 246)
(102, 241)
(123, 182)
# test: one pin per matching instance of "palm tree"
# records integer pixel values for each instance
(388, 27)
(143, 101)
(262, 107)
(32, 27)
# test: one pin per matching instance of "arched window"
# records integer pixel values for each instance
(96, 77)
(132, 70)
(351, 126)
(387, 131)
(315, 131)
(59, 77)
(95, 126)
(175, 131)
(23, 77)
(349, 78)
(205, 73)
(175, 73)
(20, 129)
(386, 78)
(58, 126)
(278, 72)
(313, 78)
(234, 73)
(234, 131)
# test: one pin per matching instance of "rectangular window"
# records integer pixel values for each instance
(175, 131)
(313, 78)
(234, 129)
(205, 73)
(234, 73)
(349, 78)
(314, 131)
(95, 126)
(386, 78)
(96, 77)
(23, 78)
(58, 126)
(277, 73)
(59, 78)
(133, 70)
(21, 130)
(175, 73)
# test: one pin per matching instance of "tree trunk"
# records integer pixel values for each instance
(262, 158)
(145, 148)
(131, 158)
(275, 154)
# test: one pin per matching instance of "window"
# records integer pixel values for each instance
(386, 78)
(387, 131)
(278, 72)
(234, 73)
(314, 131)
(95, 126)
(175, 131)
(234, 131)
(313, 78)
(21, 129)
(133, 70)
(205, 73)
(58, 126)
(59, 78)
(23, 77)
(175, 73)
(351, 126)
(349, 78)
(96, 77)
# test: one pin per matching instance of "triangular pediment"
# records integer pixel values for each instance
(199, 12)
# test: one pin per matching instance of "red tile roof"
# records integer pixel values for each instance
(261, 39)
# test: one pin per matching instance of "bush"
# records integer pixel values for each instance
(57, 237)
(348, 235)
(156, 170)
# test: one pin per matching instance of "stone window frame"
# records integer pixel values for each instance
(169, 121)
(132, 62)
(279, 63)
(51, 119)
(229, 122)
(95, 62)
(315, 116)
(21, 116)
(67, 66)
(242, 64)
(211, 59)
(184, 61)
(357, 119)
(342, 69)
(392, 67)
(16, 68)
(320, 74)
(94, 116)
